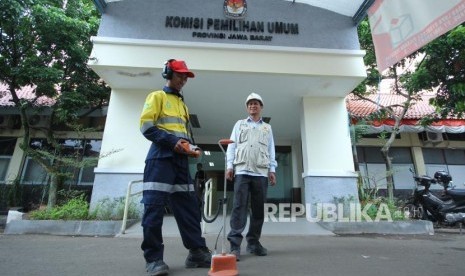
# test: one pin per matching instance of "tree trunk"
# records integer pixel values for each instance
(389, 174)
(354, 148)
(52, 192)
(388, 161)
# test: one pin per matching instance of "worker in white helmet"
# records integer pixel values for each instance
(251, 162)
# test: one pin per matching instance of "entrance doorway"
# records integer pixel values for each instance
(213, 163)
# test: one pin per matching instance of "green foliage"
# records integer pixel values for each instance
(66, 195)
(15, 193)
(74, 209)
(395, 208)
(45, 44)
(444, 66)
(108, 209)
(366, 43)
(438, 66)
(357, 131)
(3, 197)
(368, 193)
(11, 194)
(344, 200)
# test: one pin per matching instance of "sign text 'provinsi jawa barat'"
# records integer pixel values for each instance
(231, 29)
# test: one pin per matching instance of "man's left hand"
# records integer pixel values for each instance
(272, 178)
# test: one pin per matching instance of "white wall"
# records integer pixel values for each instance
(326, 140)
(123, 135)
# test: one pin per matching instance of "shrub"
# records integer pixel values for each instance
(75, 209)
(114, 209)
(78, 209)
(368, 195)
(395, 208)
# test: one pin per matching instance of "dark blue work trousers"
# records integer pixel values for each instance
(183, 204)
(245, 187)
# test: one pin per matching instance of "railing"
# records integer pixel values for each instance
(208, 199)
(126, 203)
(207, 209)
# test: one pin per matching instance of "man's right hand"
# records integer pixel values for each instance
(179, 148)
(184, 147)
(229, 174)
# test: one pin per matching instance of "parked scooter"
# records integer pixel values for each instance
(446, 209)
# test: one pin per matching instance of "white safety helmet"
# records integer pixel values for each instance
(254, 96)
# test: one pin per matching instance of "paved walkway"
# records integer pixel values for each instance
(295, 248)
(297, 255)
(298, 228)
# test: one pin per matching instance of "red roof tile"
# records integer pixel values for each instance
(26, 92)
(363, 108)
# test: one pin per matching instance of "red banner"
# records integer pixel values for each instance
(400, 27)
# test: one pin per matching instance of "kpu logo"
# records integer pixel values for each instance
(235, 8)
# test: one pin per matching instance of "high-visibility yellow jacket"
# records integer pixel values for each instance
(164, 121)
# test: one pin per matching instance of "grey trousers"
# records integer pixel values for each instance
(245, 187)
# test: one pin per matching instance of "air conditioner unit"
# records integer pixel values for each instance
(6, 121)
(434, 137)
(38, 121)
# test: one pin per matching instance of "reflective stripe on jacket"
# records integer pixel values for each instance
(164, 121)
(165, 111)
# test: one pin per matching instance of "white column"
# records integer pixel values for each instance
(329, 174)
(122, 133)
(326, 140)
(124, 143)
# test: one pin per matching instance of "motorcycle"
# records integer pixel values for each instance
(447, 209)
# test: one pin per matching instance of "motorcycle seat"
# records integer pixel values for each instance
(456, 193)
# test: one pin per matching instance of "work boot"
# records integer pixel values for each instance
(157, 268)
(199, 257)
(237, 252)
(257, 249)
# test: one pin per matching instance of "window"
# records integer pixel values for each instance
(374, 155)
(450, 160)
(401, 155)
(33, 173)
(454, 157)
(91, 151)
(7, 147)
(213, 164)
(373, 168)
(456, 136)
(76, 149)
(433, 156)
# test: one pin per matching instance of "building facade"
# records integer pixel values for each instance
(302, 59)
